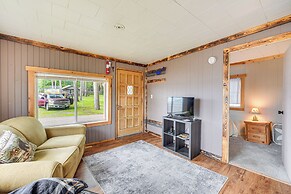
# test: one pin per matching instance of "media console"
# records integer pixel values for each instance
(182, 135)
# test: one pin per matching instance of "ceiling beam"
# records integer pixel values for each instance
(264, 41)
(64, 49)
(236, 36)
(261, 59)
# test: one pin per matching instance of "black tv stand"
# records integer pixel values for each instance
(182, 135)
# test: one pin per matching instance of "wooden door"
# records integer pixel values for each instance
(129, 102)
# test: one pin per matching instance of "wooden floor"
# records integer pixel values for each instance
(239, 180)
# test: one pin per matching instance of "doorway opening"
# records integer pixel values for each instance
(252, 112)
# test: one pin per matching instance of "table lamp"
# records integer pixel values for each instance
(255, 111)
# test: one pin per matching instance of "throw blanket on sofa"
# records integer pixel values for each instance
(53, 186)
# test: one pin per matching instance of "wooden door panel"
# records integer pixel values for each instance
(122, 78)
(135, 90)
(122, 90)
(136, 101)
(129, 79)
(136, 121)
(136, 80)
(122, 101)
(121, 113)
(129, 102)
(129, 112)
(129, 123)
(122, 124)
(136, 111)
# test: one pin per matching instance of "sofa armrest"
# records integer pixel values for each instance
(15, 175)
(65, 130)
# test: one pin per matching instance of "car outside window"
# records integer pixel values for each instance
(63, 100)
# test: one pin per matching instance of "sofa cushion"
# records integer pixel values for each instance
(63, 141)
(30, 127)
(67, 156)
(15, 149)
(15, 175)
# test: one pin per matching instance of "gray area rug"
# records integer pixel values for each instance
(140, 167)
(261, 158)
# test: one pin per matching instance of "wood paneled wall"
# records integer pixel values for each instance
(191, 75)
(13, 79)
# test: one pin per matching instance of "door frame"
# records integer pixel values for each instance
(226, 77)
(116, 99)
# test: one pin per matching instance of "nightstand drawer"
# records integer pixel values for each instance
(256, 138)
(257, 129)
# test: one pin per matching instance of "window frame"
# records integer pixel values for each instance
(32, 78)
(242, 93)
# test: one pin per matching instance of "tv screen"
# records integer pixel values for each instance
(183, 106)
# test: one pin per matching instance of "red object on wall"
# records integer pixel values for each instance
(108, 65)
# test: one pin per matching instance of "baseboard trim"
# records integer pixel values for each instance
(88, 145)
(211, 155)
(154, 134)
(154, 123)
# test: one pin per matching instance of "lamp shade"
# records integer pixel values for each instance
(255, 111)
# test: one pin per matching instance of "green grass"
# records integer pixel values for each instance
(85, 107)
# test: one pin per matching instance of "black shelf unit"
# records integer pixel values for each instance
(186, 146)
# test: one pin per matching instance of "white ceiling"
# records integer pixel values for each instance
(260, 51)
(154, 30)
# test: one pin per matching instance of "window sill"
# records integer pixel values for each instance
(90, 124)
(237, 108)
(95, 124)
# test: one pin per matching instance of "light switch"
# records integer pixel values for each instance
(152, 96)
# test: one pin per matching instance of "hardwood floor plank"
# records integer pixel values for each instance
(239, 181)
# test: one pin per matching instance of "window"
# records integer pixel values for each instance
(236, 92)
(65, 97)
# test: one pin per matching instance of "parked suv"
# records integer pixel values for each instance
(49, 101)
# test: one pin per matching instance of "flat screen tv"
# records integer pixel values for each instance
(181, 106)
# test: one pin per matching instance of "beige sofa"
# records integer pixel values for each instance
(59, 152)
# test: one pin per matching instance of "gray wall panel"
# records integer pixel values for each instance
(18, 79)
(24, 92)
(11, 80)
(4, 80)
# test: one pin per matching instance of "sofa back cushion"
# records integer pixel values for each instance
(30, 127)
(13, 130)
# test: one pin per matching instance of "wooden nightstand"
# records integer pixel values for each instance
(258, 131)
